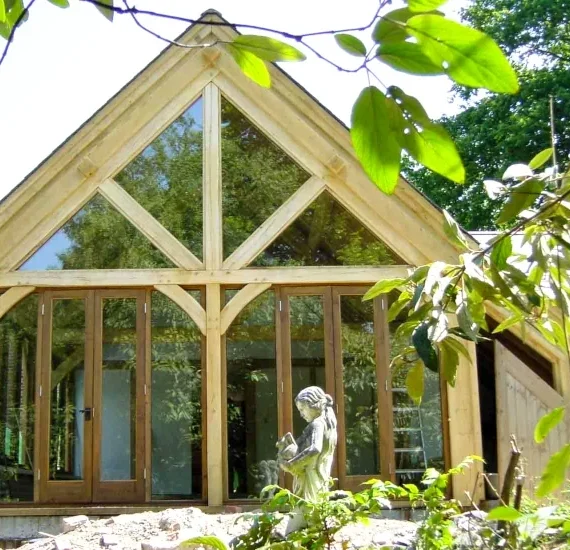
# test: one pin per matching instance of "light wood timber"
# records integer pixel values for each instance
(271, 228)
(149, 226)
(152, 277)
(187, 302)
(214, 404)
(87, 167)
(244, 296)
(12, 296)
(213, 253)
(465, 428)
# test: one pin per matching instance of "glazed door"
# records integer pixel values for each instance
(92, 397)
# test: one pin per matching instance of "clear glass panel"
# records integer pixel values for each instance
(97, 237)
(307, 348)
(326, 234)
(360, 386)
(252, 398)
(66, 436)
(418, 431)
(119, 399)
(18, 332)
(176, 423)
(166, 178)
(257, 177)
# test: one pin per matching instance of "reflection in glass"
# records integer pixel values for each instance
(257, 177)
(166, 178)
(360, 386)
(418, 431)
(307, 347)
(252, 398)
(119, 398)
(176, 424)
(66, 435)
(326, 234)
(97, 237)
(18, 331)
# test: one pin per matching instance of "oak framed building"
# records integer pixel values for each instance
(186, 262)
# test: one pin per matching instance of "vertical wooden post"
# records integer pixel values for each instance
(213, 254)
(214, 403)
(465, 427)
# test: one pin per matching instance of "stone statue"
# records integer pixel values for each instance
(310, 458)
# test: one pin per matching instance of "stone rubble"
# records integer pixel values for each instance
(166, 530)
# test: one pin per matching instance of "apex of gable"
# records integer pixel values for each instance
(211, 12)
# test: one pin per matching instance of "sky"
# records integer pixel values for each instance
(65, 64)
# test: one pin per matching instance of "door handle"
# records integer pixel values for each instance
(88, 412)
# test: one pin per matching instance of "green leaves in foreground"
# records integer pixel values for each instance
(547, 423)
(384, 125)
(554, 474)
(350, 44)
(211, 541)
(251, 52)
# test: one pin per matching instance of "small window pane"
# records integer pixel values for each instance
(18, 332)
(166, 178)
(418, 430)
(176, 432)
(97, 237)
(252, 398)
(326, 234)
(257, 177)
(360, 386)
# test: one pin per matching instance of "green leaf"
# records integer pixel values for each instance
(539, 159)
(468, 56)
(59, 3)
(408, 58)
(504, 513)
(106, 11)
(458, 347)
(251, 65)
(211, 541)
(424, 347)
(548, 422)
(268, 49)
(350, 44)
(390, 27)
(448, 361)
(395, 309)
(427, 142)
(554, 475)
(453, 230)
(374, 143)
(2, 12)
(415, 382)
(424, 5)
(521, 197)
(501, 252)
(382, 287)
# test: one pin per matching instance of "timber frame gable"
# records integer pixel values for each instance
(85, 166)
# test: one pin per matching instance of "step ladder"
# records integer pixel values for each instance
(409, 475)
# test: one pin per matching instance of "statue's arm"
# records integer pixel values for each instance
(314, 447)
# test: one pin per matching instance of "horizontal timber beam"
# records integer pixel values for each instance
(151, 277)
(12, 296)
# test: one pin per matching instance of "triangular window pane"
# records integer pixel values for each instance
(166, 178)
(326, 234)
(97, 237)
(257, 177)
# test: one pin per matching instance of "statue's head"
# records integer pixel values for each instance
(312, 402)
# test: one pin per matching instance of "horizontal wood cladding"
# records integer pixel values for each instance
(152, 277)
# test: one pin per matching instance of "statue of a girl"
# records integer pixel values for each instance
(310, 458)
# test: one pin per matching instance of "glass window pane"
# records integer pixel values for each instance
(66, 436)
(18, 332)
(326, 234)
(166, 178)
(252, 398)
(418, 430)
(97, 237)
(119, 392)
(257, 177)
(307, 348)
(176, 390)
(360, 386)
